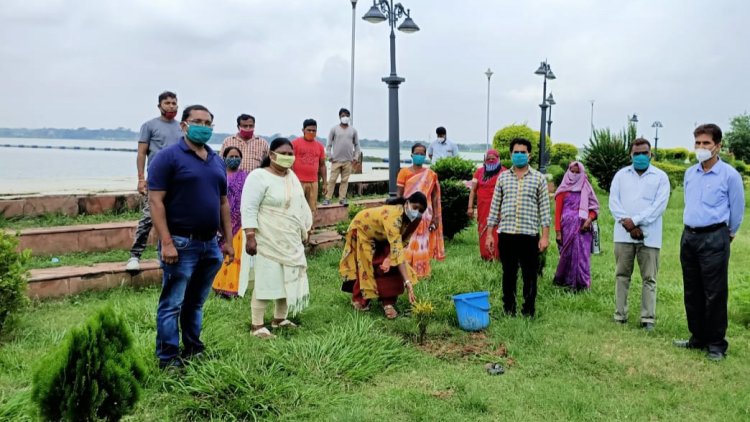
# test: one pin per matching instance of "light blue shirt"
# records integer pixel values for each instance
(438, 150)
(643, 198)
(714, 197)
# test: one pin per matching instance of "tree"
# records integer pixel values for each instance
(563, 154)
(738, 137)
(502, 138)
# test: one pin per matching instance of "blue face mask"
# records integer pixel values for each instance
(520, 159)
(417, 159)
(199, 134)
(641, 161)
(491, 167)
(233, 163)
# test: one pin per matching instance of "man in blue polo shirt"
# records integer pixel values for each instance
(714, 207)
(188, 196)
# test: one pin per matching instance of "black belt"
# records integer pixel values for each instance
(707, 229)
(203, 237)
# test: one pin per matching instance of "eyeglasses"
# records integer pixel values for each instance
(199, 123)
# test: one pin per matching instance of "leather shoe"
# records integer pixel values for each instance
(647, 326)
(715, 356)
(686, 344)
(621, 321)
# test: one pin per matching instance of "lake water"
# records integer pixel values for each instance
(40, 170)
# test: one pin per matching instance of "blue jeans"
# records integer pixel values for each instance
(185, 287)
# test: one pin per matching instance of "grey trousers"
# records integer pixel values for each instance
(648, 263)
(143, 230)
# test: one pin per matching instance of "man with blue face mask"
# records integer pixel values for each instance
(187, 186)
(520, 205)
(637, 199)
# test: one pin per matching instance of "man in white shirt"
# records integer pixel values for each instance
(637, 199)
(442, 147)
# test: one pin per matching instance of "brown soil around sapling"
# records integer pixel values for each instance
(474, 346)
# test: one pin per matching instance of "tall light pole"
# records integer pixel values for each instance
(550, 102)
(656, 125)
(546, 71)
(591, 136)
(380, 11)
(489, 75)
(634, 121)
(351, 84)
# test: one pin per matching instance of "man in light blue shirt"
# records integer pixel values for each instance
(442, 147)
(637, 199)
(714, 207)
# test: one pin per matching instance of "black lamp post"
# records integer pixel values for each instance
(351, 83)
(657, 124)
(634, 121)
(546, 71)
(380, 11)
(550, 102)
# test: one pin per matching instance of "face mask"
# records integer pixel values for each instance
(703, 154)
(417, 159)
(574, 177)
(442, 140)
(641, 162)
(309, 136)
(520, 159)
(233, 163)
(411, 213)
(169, 115)
(345, 120)
(491, 166)
(285, 161)
(247, 134)
(199, 134)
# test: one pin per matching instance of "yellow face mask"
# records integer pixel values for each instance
(285, 161)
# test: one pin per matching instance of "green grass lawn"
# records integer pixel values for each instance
(52, 220)
(571, 363)
(87, 258)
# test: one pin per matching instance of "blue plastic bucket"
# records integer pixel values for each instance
(473, 310)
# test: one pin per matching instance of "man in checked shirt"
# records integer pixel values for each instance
(521, 204)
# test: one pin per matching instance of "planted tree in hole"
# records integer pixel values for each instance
(95, 374)
(12, 277)
(423, 313)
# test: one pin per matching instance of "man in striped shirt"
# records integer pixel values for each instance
(252, 147)
(521, 206)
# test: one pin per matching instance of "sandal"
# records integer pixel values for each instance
(263, 333)
(284, 323)
(390, 312)
(360, 307)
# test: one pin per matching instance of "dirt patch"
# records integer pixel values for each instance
(443, 394)
(473, 346)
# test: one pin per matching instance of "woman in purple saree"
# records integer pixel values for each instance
(576, 207)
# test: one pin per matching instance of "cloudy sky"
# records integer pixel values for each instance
(72, 63)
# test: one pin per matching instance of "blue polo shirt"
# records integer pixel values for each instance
(194, 188)
(713, 197)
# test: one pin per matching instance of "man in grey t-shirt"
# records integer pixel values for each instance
(156, 134)
(343, 150)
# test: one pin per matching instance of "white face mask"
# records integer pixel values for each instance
(411, 213)
(703, 154)
(344, 120)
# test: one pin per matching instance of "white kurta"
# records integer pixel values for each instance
(276, 208)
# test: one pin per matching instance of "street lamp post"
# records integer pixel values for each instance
(657, 124)
(380, 11)
(634, 120)
(489, 75)
(591, 136)
(546, 71)
(351, 84)
(551, 102)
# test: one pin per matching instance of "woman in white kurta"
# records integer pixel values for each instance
(276, 220)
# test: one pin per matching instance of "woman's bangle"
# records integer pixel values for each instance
(407, 283)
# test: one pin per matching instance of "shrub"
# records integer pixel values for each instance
(557, 172)
(673, 153)
(454, 168)
(675, 172)
(605, 154)
(563, 153)
(12, 277)
(343, 226)
(95, 373)
(740, 166)
(737, 138)
(502, 138)
(454, 200)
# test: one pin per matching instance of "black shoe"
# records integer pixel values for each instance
(715, 356)
(344, 202)
(686, 344)
(621, 321)
(193, 355)
(647, 326)
(172, 365)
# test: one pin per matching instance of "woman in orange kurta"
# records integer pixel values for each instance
(373, 263)
(427, 241)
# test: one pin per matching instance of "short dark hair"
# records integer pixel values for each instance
(641, 141)
(415, 198)
(166, 94)
(309, 122)
(418, 145)
(520, 141)
(440, 131)
(186, 112)
(244, 117)
(710, 129)
(229, 149)
(343, 110)
(275, 144)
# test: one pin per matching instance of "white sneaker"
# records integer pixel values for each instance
(134, 264)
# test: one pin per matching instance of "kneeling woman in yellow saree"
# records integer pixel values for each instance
(276, 220)
(374, 264)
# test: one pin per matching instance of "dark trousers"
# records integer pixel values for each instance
(519, 250)
(705, 266)
(143, 230)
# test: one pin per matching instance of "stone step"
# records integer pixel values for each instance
(108, 236)
(66, 281)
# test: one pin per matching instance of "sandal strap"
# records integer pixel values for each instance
(263, 333)
(284, 323)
